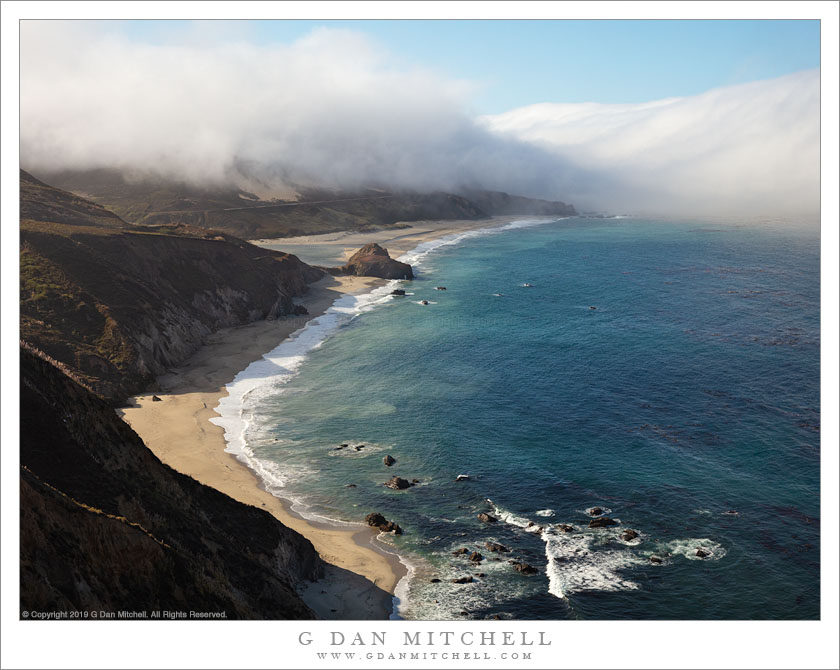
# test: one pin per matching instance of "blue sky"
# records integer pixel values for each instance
(519, 63)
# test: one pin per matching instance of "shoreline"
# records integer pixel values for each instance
(398, 241)
(362, 577)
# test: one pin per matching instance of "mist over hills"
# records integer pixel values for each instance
(150, 200)
(333, 111)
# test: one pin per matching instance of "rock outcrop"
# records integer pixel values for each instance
(397, 483)
(376, 520)
(524, 568)
(374, 261)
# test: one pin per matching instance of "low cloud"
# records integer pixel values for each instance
(750, 148)
(332, 110)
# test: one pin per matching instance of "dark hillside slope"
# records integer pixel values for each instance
(40, 202)
(120, 305)
(155, 201)
(106, 526)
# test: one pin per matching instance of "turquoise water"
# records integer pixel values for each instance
(690, 391)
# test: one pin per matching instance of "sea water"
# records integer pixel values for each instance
(667, 372)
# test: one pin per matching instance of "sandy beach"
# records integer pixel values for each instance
(363, 576)
(336, 248)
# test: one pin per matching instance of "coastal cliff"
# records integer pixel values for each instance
(120, 304)
(106, 526)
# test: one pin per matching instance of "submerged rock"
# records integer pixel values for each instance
(702, 553)
(397, 483)
(389, 460)
(463, 580)
(440, 288)
(524, 568)
(475, 557)
(595, 511)
(629, 534)
(398, 291)
(565, 528)
(602, 522)
(462, 478)
(495, 546)
(487, 518)
(435, 580)
(656, 560)
(462, 550)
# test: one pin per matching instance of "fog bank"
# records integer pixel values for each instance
(332, 110)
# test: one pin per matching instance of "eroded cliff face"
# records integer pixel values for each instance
(121, 304)
(105, 525)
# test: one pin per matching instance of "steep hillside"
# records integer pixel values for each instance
(40, 202)
(151, 201)
(106, 526)
(121, 304)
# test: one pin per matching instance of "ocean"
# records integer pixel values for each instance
(666, 372)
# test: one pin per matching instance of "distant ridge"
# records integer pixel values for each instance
(243, 214)
(40, 202)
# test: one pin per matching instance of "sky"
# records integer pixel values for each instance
(517, 63)
(645, 117)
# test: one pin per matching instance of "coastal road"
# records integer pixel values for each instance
(271, 206)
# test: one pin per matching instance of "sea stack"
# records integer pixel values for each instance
(374, 261)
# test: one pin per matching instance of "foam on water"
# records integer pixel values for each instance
(576, 564)
(514, 519)
(687, 548)
(266, 377)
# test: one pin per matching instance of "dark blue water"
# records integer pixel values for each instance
(689, 391)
